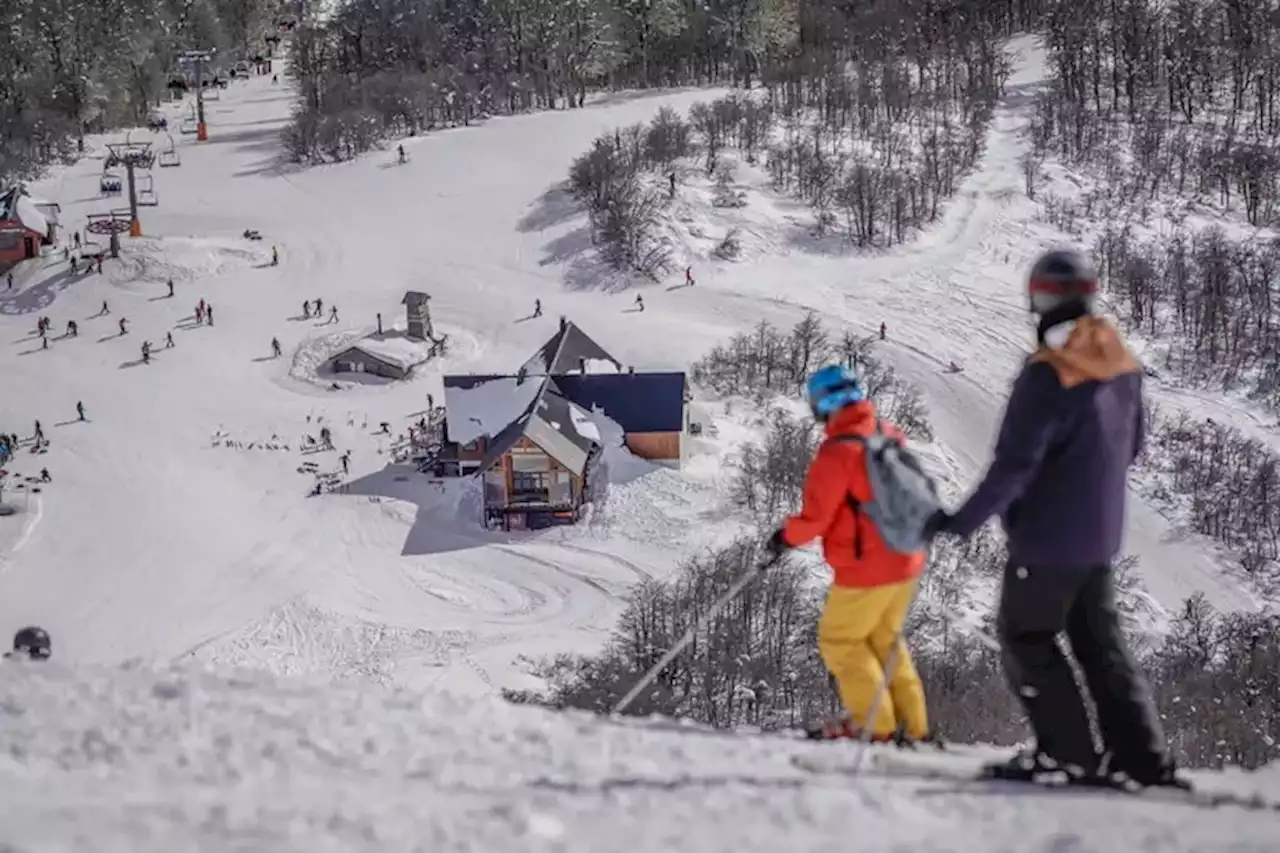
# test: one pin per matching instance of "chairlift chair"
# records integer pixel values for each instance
(212, 92)
(169, 156)
(145, 186)
(110, 184)
(189, 126)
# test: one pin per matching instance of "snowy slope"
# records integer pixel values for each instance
(180, 760)
(155, 541)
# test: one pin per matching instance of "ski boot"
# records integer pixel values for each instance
(842, 728)
(1032, 765)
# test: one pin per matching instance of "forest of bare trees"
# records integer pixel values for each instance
(1209, 297)
(1168, 99)
(69, 67)
(874, 145)
(1224, 484)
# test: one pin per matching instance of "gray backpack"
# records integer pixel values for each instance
(903, 495)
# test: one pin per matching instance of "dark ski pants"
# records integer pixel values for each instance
(1038, 603)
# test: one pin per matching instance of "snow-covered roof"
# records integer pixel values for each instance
(476, 406)
(17, 206)
(565, 352)
(395, 348)
(562, 429)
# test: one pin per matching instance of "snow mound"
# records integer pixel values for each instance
(143, 760)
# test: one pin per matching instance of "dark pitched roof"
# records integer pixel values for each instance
(638, 402)
(553, 423)
(565, 352)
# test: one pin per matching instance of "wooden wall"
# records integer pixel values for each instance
(654, 445)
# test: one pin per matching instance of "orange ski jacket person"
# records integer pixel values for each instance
(873, 586)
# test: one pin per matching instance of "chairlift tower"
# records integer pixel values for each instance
(133, 156)
(196, 60)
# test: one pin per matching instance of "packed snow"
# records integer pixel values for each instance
(135, 760)
(178, 523)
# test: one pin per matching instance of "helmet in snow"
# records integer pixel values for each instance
(32, 642)
(1060, 278)
(831, 388)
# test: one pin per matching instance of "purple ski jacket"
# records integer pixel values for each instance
(1072, 428)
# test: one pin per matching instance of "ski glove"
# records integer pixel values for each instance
(776, 545)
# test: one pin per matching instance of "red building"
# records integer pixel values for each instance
(25, 225)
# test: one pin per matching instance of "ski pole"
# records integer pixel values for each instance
(723, 601)
(864, 736)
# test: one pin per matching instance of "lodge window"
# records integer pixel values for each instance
(473, 444)
(530, 486)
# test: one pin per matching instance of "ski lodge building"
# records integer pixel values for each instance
(535, 436)
(26, 224)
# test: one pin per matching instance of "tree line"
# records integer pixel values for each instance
(379, 68)
(1224, 484)
(70, 67)
(1208, 298)
(1176, 98)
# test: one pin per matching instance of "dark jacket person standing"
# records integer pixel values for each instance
(1072, 427)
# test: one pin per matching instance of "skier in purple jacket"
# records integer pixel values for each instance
(1072, 428)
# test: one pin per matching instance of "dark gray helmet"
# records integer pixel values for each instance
(32, 642)
(1061, 277)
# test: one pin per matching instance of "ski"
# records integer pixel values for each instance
(963, 767)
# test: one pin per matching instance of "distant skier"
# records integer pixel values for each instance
(31, 643)
(73, 329)
(200, 313)
(275, 347)
(688, 276)
(345, 459)
(39, 433)
(537, 307)
(99, 264)
(77, 238)
(10, 281)
(671, 178)
(306, 308)
(146, 352)
(168, 340)
(1072, 428)
(333, 314)
(326, 438)
(45, 477)
(208, 313)
(275, 78)
(105, 310)
(884, 330)
(275, 256)
(170, 287)
(124, 325)
(80, 409)
(400, 150)
(73, 265)
(639, 302)
(319, 307)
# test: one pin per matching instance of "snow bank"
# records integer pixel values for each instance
(487, 407)
(141, 760)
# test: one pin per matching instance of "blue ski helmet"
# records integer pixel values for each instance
(831, 388)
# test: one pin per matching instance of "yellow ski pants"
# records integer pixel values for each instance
(855, 635)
